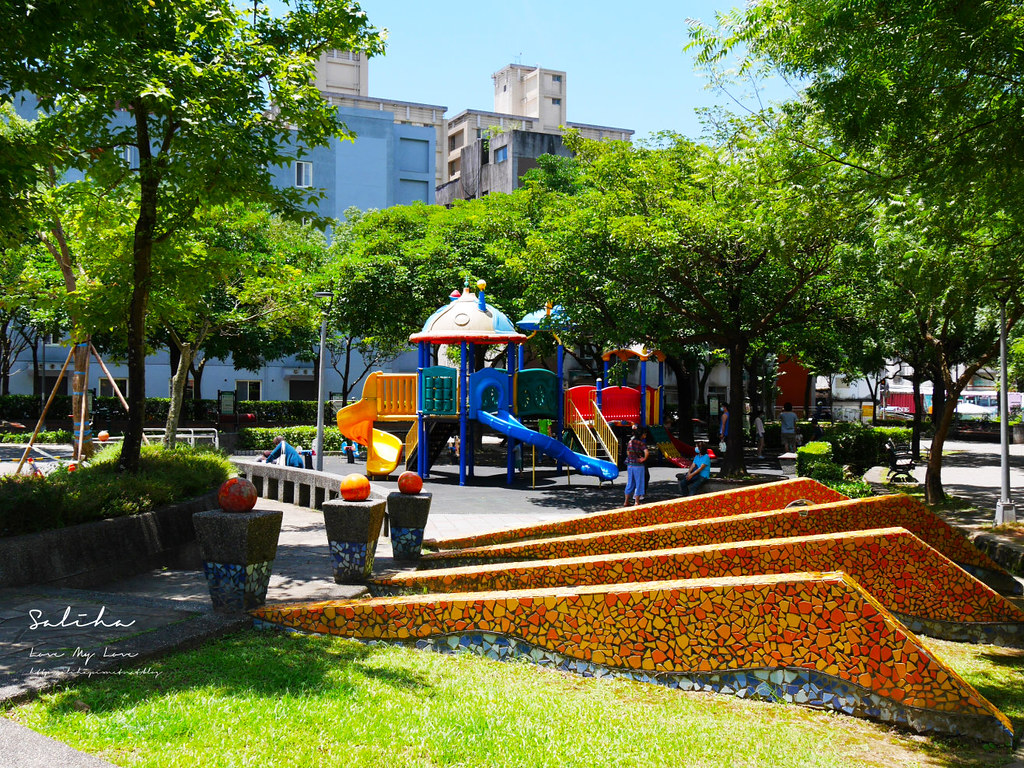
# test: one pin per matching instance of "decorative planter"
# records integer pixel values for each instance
(407, 513)
(353, 528)
(238, 550)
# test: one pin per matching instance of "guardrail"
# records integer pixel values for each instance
(302, 487)
(189, 435)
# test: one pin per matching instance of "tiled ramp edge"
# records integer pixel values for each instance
(720, 504)
(850, 515)
(925, 589)
(810, 638)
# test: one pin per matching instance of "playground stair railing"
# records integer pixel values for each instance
(576, 422)
(604, 432)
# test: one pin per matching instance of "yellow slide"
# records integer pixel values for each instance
(383, 450)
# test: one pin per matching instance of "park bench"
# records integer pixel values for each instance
(901, 462)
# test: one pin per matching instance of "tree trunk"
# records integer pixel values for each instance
(915, 435)
(185, 354)
(734, 463)
(37, 373)
(933, 492)
(684, 392)
(197, 377)
(938, 398)
(80, 400)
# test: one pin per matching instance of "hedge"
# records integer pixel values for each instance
(281, 412)
(814, 460)
(262, 438)
(860, 445)
(54, 437)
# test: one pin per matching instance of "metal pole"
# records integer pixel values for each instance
(320, 384)
(1005, 511)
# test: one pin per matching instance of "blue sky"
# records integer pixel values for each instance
(624, 61)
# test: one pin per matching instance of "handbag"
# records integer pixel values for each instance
(721, 447)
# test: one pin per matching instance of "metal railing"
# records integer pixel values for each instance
(584, 433)
(604, 431)
(189, 435)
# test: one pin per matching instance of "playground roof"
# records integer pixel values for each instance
(465, 320)
(541, 320)
(636, 351)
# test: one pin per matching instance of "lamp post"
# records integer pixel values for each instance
(320, 383)
(1005, 511)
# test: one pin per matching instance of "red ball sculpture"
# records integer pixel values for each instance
(237, 495)
(103, 436)
(355, 488)
(410, 482)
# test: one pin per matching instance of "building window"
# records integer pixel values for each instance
(248, 389)
(106, 390)
(501, 154)
(556, 78)
(454, 141)
(130, 156)
(303, 174)
(556, 102)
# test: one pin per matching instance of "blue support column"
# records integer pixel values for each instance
(422, 449)
(510, 444)
(600, 386)
(463, 411)
(560, 395)
(643, 393)
(522, 356)
(469, 448)
(661, 392)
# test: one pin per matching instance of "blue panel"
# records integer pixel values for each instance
(414, 155)
(411, 191)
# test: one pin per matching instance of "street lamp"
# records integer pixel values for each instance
(1005, 511)
(320, 383)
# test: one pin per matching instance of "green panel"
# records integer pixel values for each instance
(439, 391)
(536, 393)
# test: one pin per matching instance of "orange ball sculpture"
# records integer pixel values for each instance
(410, 482)
(103, 436)
(237, 495)
(355, 488)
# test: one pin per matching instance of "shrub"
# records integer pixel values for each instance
(98, 490)
(814, 460)
(807, 456)
(50, 437)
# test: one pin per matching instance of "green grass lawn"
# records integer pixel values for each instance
(269, 699)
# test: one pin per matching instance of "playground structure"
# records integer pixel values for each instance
(447, 401)
(730, 592)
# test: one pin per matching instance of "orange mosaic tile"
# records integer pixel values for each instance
(756, 498)
(850, 515)
(911, 579)
(810, 638)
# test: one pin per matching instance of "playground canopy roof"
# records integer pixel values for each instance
(464, 319)
(542, 320)
(637, 351)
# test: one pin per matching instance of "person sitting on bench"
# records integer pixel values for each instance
(699, 472)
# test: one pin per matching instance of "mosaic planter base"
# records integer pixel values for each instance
(234, 586)
(353, 528)
(408, 514)
(846, 651)
(238, 551)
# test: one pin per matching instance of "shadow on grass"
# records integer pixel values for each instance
(267, 664)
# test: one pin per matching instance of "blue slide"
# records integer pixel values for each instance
(508, 424)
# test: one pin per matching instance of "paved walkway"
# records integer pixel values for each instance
(50, 635)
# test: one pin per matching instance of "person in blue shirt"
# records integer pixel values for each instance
(699, 472)
(292, 457)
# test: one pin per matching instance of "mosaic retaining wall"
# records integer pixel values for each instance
(923, 588)
(756, 498)
(850, 515)
(237, 586)
(824, 639)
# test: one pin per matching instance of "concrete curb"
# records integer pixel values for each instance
(1004, 551)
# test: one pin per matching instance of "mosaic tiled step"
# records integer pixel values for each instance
(848, 652)
(919, 585)
(756, 498)
(850, 515)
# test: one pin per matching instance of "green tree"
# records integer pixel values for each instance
(206, 100)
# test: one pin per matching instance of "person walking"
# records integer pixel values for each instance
(350, 451)
(759, 433)
(723, 429)
(636, 455)
(788, 422)
(699, 471)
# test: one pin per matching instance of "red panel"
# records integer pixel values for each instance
(792, 382)
(621, 404)
(581, 397)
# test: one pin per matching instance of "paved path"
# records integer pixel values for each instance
(98, 631)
